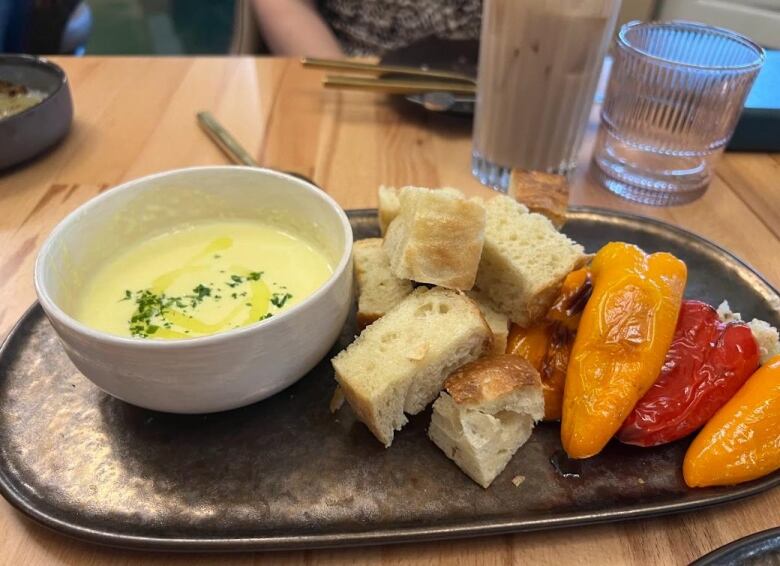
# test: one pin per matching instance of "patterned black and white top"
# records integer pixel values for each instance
(372, 27)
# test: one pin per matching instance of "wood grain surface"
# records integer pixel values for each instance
(136, 116)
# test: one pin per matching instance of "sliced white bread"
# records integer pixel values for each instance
(524, 261)
(498, 322)
(436, 238)
(765, 334)
(398, 364)
(378, 290)
(389, 205)
(487, 412)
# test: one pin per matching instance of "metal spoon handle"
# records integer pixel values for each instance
(224, 140)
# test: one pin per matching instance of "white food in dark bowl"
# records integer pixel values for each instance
(30, 131)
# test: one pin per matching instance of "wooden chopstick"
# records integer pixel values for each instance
(362, 67)
(397, 86)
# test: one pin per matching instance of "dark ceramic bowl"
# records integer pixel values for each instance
(28, 133)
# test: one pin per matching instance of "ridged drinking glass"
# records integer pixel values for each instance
(674, 97)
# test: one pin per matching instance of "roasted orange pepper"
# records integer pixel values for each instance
(575, 292)
(625, 331)
(741, 442)
(530, 343)
(547, 345)
(554, 372)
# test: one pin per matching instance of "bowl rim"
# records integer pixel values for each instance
(35, 61)
(54, 310)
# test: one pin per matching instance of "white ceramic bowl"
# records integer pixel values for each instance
(212, 373)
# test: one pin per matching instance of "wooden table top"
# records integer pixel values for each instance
(136, 116)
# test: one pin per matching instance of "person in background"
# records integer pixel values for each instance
(335, 28)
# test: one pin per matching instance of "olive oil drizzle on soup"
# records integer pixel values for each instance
(202, 279)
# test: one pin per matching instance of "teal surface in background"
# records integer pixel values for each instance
(161, 27)
(759, 126)
(766, 91)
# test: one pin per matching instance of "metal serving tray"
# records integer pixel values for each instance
(286, 473)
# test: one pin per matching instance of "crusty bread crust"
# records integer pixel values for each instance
(437, 238)
(486, 413)
(545, 193)
(489, 378)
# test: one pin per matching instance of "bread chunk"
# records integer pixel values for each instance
(524, 261)
(498, 322)
(378, 290)
(765, 334)
(436, 238)
(398, 364)
(487, 412)
(545, 193)
(389, 205)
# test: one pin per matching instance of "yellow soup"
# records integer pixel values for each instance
(202, 279)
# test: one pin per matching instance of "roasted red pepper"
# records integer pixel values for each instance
(707, 363)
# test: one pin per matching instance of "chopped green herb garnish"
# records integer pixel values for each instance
(279, 299)
(151, 307)
(201, 291)
(217, 256)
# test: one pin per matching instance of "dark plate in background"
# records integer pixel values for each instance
(760, 549)
(458, 55)
(36, 129)
(286, 473)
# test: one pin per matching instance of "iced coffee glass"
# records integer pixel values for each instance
(539, 64)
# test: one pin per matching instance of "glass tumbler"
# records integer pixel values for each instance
(539, 65)
(674, 97)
